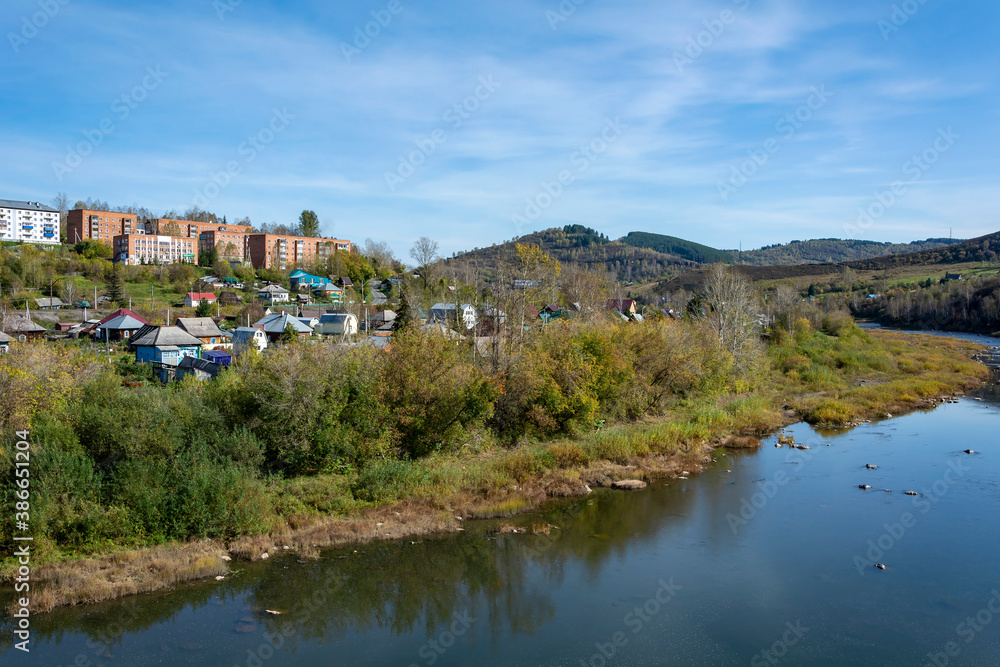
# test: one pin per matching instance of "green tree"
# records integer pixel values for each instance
(289, 335)
(204, 309)
(91, 249)
(115, 289)
(309, 223)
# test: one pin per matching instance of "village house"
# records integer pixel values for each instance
(626, 307)
(330, 293)
(165, 346)
(273, 294)
(195, 299)
(300, 280)
(49, 304)
(119, 325)
(206, 330)
(274, 326)
(337, 324)
(21, 328)
(4, 342)
(248, 338)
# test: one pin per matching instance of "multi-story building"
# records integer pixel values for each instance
(83, 224)
(28, 221)
(273, 251)
(155, 249)
(209, 234)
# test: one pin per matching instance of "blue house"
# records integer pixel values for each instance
(299, 279)
(166, 346)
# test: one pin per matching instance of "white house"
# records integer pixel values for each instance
(452, 313)
(28, 221)
(194, 299)
(337, 324)
(273, 294)
(246, 338)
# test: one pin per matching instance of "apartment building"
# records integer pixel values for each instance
(155, 249)
(28, 221)
(231, 241)
(83, 224)
(274, 251)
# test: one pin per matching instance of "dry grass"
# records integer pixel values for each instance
(126, 573)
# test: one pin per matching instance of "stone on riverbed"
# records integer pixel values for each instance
(628, 484)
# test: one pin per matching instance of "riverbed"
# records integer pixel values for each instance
(767, 557)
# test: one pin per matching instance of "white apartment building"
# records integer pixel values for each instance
(28, 221)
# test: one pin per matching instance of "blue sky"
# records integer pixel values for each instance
(626, 116)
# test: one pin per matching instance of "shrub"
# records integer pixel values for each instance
(388, 481)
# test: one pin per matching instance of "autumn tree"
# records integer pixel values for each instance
(425, 253)
(734, 317)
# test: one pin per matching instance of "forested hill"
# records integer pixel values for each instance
(819, 251)
(576, 245)
(671, 245)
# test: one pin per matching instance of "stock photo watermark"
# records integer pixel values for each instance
(32, 24)
(434, 649)
(786, 127)
(581, 160)
(365, 34)
(248, 151)
(562, 13)
(122, 108)
(635, 620)
(895, 532)
(714, 28)
(777, 651)
(223, 7)
(427, 145)
(967, 631)
(915, 168)
(750, 507)
(21, 617)
(898, 17)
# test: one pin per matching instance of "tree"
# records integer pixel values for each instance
(115, 289)
(70, 291)
(61, 204)
(734, 316)
(381, 257)
(308, 223)
(289, 335)
(92, 249)
(204, 309)
(425, 253)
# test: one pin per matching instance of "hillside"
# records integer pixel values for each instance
(982, 249)
(576, 245)
(826, 251)
(671, 245)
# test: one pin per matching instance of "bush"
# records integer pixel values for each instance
(838, 323)
(388, 481)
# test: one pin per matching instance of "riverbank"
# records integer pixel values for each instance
(823, 381)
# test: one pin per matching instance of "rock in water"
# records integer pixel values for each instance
(628, 484)
(880, 566)
(871, 467)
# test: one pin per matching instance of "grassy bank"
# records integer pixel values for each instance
(139, 489)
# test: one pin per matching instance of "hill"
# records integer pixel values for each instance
(833, 251)
(982, 249)
(671, 245)
(576, 245)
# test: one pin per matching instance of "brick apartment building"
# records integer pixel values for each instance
(155, 249)
(273, 251)
(82, 224)
(209, 235)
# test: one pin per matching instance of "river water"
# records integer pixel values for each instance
(766, 558)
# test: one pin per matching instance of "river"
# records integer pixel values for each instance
(766, 558)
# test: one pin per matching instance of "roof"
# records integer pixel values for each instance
(198, 296)
(26, 205)
(203, 365)
(443, 306)
(4, 338)
(47, 302)
(120, 312)
(335, 318)
(200, 327)
(165, 336)
(244, 334)
(19, 324)
(278, 322)
(123, 322)
(273, 289)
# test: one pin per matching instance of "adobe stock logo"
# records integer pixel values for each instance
(30, 25)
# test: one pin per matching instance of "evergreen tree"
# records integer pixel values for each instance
(115, 289)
